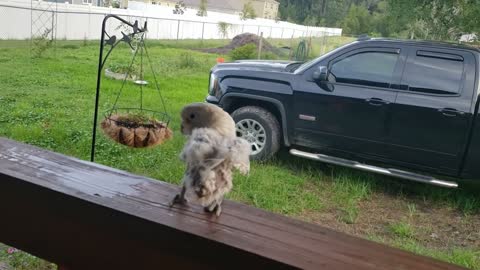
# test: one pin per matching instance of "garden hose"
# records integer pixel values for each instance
(302, 51)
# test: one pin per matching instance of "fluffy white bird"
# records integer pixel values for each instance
(210, 154)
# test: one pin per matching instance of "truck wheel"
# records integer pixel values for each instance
(259, 127)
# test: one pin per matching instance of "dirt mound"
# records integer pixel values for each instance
(244, 39)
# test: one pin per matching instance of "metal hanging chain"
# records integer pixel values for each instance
(124, 81)
(155, 78)
(141, 45)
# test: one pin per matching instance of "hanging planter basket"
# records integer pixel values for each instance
(136, 129)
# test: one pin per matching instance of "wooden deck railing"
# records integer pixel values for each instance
(86, 216)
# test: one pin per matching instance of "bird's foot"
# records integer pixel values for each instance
(178, 199)
(211, 207)
(214, 207)
(218, 210)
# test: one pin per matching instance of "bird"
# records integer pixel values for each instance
(211, 153)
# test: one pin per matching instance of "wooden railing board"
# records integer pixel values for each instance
(80, 197)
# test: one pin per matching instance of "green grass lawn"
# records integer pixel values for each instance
(49, 102)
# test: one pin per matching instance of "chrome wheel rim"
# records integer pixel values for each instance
(253, 132)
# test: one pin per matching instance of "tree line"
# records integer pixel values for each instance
(415, 19)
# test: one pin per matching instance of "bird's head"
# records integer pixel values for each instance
(204, 115)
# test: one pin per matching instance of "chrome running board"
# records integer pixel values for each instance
(369, 168)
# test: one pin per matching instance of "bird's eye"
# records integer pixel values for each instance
(192, 116)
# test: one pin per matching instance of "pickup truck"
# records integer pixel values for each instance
(407, 109)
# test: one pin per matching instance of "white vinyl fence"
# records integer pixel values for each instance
(78, 22)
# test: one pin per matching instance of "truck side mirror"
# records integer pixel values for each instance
(321, 74)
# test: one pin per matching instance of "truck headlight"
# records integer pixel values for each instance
(213, 85)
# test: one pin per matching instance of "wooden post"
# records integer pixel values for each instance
(309, 50)
(325, 40)
(203, 30)
(283, 29)
(260, 44)
(291, 46)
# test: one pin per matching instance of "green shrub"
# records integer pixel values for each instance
(269, 56)
(41, 43)
(402, 229)
(248, 51)
(187, 60)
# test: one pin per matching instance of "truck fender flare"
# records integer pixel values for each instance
(273, 101)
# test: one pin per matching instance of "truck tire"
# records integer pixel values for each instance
(259, 127)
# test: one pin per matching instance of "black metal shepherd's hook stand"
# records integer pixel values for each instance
(164, 117)
(112, 42)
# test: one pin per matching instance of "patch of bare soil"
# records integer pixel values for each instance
(433, 227)
(241, 40)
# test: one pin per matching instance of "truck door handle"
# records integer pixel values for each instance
(376, 101)
(450, 112)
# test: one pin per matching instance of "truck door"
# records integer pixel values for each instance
(353, 115)
(430, 118)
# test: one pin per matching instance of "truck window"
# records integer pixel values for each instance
(434, 73)
(366, 68)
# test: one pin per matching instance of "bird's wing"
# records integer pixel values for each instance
(240, 151)
(203, 145)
